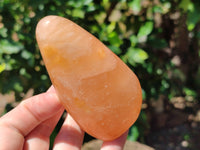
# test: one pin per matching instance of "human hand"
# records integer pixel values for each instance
(30, 124)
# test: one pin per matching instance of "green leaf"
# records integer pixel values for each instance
(76, 4)
(111, 27)
(44, 77)
(11, 64)
(3, 32)
(78, 13)
(143, 94)
(165, 85)
(135, 5)
(133, 40)
(133, 133)
(157, 9)
(136, 55)
(146, 29)
(13, 84)
(184, 4)
(23, 72)
(90, 7)
(115, 49)
(18, 87)
(7, 47)
(189, 92)
(26, 54)
(193, 17)
(114, 39)
(87, 2)
(187, 137)
(100, 17)
(106, 4)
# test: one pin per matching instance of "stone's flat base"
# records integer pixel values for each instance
(96, 145)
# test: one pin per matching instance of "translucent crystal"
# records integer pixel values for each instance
(99, 91)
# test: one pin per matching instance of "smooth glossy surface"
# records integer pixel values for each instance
(99, 91)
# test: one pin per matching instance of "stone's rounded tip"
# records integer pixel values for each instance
(50, 30)
(45, 27)
(44, 22)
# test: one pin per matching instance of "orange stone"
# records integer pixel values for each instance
(97, 89)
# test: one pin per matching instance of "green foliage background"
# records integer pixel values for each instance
(157, 39)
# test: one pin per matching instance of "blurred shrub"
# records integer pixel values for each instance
(157, 39)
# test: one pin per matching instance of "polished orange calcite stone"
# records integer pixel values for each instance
(99, 91)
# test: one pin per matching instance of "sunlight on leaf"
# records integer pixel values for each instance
(136, 55)
(146, 29)
(2, 67)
